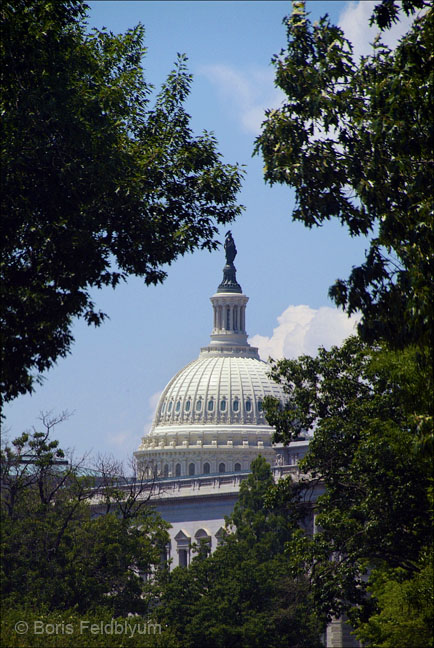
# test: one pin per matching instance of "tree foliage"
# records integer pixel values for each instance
(406, 608)
(354, 138)
(375, 510)
(242, 595)
(97, 183)
(387, 12)
(58, 551)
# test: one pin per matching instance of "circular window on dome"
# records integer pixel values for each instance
(248, 405)
(187, 405)
(236, 405)
(169, 409)
(210, 405)
(223, 405)
(198, 405)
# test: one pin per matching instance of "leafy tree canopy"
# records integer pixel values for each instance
(406, 612)
(59, 550)
(97, 184)
(354, 138)
(365, 407)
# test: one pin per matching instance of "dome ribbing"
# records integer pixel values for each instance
(214, 390)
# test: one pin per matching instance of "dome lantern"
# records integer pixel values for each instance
(229, 310)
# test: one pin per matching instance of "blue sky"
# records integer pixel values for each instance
(112, 378)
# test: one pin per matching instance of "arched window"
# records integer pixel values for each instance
(210, 405)
(236, 405)
(260, 407)
(191, 469)
(178, 470)
(169, 409)
(248, 405)
(198, 405)
(220, 535)
(206, 468)
(163, 407)
(223, 405)
(166, 470)
(222, 468)
(203, 540)
(187, 405)
(237, 467)
(178, 406)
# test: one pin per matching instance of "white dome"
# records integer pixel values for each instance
(209, 417)
(216, 391)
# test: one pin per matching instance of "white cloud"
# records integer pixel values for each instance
(246, 94)
(354, 21)
(302, 329)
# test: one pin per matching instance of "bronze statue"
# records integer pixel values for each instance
(230, 249)
(229, 283)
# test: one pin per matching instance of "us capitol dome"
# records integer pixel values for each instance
(210, 419)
